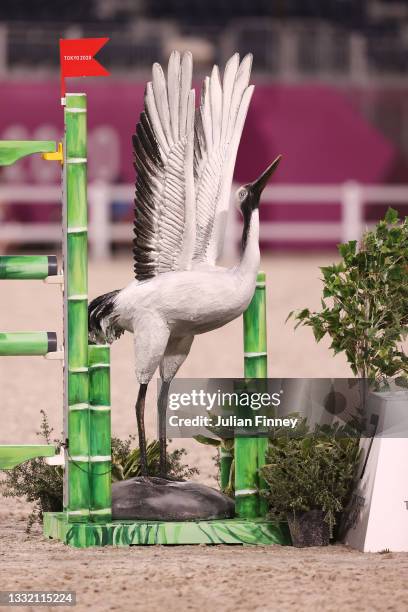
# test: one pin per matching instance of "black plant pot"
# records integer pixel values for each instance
(308, 529)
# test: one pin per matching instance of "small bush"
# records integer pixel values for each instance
(312, 471)
(365, 303)
(42, 484)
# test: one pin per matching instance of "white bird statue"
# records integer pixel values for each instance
(185, 161)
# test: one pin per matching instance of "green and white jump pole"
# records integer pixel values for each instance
(27, 343)
(28, 267)
(100, 433)
(87, 402)
(249, 452)
(75, 253)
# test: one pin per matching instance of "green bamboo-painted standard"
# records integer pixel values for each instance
(14, 344)
(255, 349)
(249, 452)
(256, 366)
(77, 421)
(27, 267)
(100, 433)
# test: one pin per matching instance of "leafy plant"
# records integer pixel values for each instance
(126, 461)
(310, 471)
(42, 484)
(365, 302)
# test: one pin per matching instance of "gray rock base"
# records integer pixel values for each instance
(160, 499)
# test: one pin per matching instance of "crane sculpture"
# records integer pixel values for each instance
(184, 159)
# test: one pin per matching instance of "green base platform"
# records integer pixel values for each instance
(128, 533)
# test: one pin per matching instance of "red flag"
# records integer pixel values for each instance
(77, 58)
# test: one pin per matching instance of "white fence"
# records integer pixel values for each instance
(102, 232)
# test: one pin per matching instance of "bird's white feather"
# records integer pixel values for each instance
(219, 126)
(189, 236)
(173, 87)
(151, 108)
(185, 89)
(240, 85)
(230, 74)
(205, 112)
(216, 105)
(161, 99)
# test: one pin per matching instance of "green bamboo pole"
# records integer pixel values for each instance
(27, 267)
(14, 344)
(250, 452)
(77, 413)
(255, 350)
(226, 458)
(100, 433)
(258, 367)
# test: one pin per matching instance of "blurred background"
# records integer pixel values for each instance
(331, 96)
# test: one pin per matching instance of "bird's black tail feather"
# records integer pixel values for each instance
(102, 320)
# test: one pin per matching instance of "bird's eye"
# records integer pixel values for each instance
(242, 194)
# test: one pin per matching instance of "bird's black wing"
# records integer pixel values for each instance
(164, 226)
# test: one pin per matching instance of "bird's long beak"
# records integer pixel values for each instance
(259, 185)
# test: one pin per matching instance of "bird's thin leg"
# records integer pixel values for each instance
(140, 405)
(162, 410)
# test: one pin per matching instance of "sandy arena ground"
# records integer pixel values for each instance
(182, 578)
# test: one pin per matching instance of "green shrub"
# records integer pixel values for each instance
(126, 461)
(365, 303)
(42, 484)
(310, 471)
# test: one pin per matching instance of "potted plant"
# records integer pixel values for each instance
(365, 303)
(309, 478)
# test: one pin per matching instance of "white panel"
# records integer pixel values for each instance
(378, 516)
